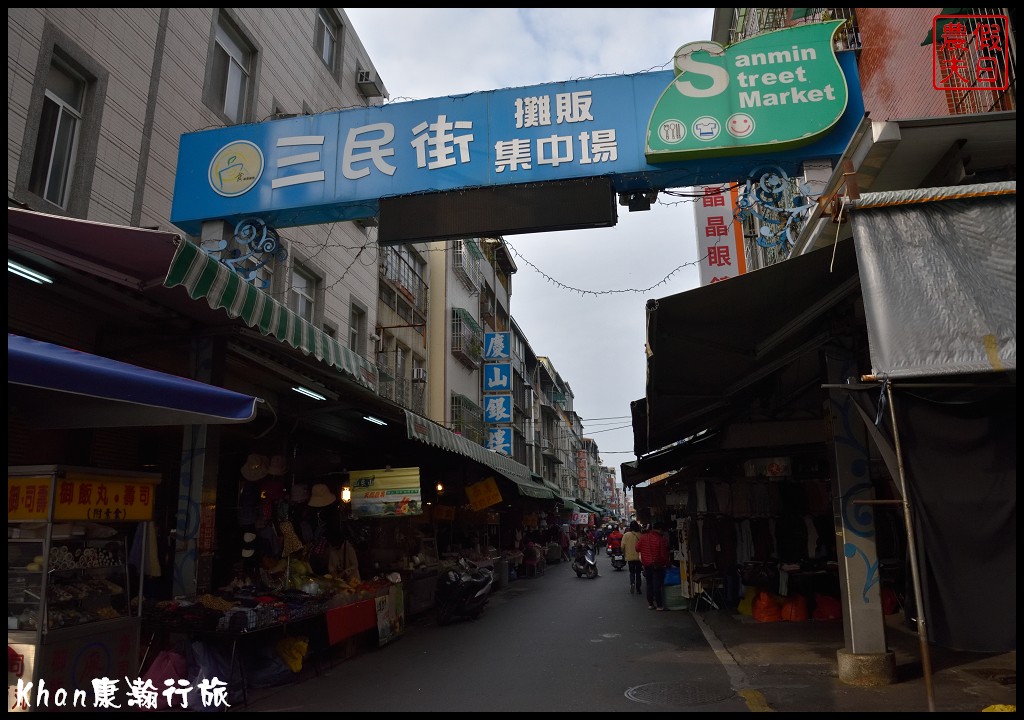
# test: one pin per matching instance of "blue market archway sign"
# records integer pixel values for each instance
(564, 150)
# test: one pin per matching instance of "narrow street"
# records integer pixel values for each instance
(551, 643)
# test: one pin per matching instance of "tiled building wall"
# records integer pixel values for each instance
(895, 69)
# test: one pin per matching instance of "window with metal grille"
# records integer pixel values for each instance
(467, 338)
(467, 418)
(466, 259)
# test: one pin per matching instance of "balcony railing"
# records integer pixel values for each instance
(467, 338)
(466, 263)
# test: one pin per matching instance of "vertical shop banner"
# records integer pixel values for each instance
(497, 388)
(483, 494)
(498, 377)
(498, 409)
(719, 234)
(387, 492)
(497, 345)
(499, 439)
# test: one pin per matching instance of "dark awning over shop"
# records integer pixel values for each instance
(711, 348)
(129, 256)
(57, 387)
(429, 432)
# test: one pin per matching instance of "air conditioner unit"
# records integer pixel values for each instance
(368, 83)
(419, 374)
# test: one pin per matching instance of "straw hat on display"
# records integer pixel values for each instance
(321, 496)
(255, 467)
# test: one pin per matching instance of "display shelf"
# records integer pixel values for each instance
(69, 589)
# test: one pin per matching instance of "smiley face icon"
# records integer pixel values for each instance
(740, 125)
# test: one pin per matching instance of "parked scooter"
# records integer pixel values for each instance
(618, 558)
(584, 562)
(462, 592)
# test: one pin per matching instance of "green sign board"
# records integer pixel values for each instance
(776, 91)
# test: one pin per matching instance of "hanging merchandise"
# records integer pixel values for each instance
(255, 467)
(321, 496)
(291, 541)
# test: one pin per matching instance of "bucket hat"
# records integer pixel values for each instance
(255, 467)
(321, 496)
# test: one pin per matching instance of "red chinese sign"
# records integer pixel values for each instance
(719, 234)
(99, 499)
(970, 52)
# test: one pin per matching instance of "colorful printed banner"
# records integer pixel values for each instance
(386, 492)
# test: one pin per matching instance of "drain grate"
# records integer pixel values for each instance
(680, 693)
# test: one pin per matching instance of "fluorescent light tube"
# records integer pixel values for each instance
(308, 393)
(28, 273)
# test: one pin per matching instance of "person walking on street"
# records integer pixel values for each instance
(629, 542)
(654, 555)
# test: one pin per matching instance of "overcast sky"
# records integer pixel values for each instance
(593, 333)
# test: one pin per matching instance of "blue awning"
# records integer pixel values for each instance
(57, 387)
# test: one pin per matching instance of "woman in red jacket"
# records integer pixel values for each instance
(653, 549)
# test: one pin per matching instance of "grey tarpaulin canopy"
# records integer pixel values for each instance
(938, 268)
(939, 276)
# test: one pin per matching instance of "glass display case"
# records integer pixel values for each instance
(70, 611)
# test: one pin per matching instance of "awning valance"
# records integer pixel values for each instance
(429, 432)
(57, 387)
(204, 277)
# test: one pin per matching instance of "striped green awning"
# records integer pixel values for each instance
(204, 277)
(429, 432)
(587, 506)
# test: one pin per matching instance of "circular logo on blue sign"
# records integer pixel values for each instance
(236, 168)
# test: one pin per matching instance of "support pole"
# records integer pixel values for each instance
(922, 635)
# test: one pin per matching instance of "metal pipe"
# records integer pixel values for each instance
(922, 635)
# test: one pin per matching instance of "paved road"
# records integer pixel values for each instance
(552, 643)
